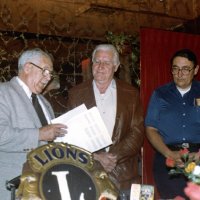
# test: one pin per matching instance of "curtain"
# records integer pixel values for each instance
(156, 50)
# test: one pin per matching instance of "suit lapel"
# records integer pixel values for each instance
(89, 95)
(26, 101)
(119, 107)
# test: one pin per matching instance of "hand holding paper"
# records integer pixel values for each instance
(86, 129)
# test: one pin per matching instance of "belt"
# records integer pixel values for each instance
(189, 146)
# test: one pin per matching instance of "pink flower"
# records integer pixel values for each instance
(192, 191)
(170, 162)
(184, 152)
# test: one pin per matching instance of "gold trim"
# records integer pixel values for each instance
(42, 159)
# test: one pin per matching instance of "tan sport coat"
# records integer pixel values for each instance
(128, 131)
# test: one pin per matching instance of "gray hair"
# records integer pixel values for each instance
(32, 55)
(107, 47)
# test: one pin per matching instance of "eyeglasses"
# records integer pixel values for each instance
(104, 63)
(184, 70)
(45, 72)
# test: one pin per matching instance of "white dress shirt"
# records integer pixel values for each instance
(106, 104)
(29, 93)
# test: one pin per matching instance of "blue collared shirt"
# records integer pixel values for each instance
(176, 117)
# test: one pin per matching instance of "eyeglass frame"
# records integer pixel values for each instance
(186, 68)
(48, 72)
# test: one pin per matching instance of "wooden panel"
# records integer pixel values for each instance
(91, 19)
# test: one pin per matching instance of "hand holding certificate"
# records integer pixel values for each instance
(86, 129)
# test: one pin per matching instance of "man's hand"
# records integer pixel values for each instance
(52, 131)
(107, 160)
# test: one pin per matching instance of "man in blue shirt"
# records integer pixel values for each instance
(173, 121)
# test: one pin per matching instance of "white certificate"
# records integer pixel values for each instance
(86, 129)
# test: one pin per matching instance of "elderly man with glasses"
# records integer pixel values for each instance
(21, 128)
(120, 108)
(173, 121)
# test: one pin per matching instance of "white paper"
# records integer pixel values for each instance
(86, 129)
(135, 192)
(142, 191)
(63, 119)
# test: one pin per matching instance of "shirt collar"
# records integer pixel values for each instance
(183, 91)
(112, 86)
(24, 87)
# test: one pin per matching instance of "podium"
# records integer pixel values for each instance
(64, 172)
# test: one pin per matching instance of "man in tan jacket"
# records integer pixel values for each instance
(120, 108)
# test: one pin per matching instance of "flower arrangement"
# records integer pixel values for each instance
(190, 166)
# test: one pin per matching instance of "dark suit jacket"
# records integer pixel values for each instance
(128, 130)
